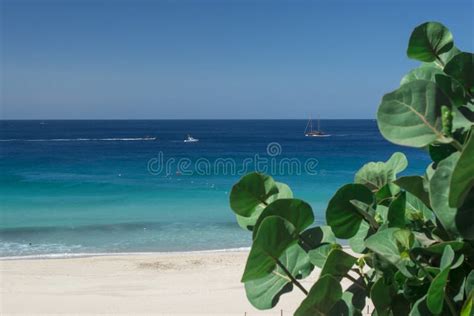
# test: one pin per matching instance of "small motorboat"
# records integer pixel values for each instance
(190, 139)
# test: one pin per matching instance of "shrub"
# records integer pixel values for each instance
(414, 235)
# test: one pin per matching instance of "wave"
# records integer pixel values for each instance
(126, 139)
(109, 254)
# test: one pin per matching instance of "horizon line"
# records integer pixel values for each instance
(179, 119)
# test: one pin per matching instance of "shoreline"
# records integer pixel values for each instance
(119, 254)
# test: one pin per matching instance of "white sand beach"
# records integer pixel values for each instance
(161, 284)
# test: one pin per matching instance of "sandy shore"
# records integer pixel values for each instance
(180, 284)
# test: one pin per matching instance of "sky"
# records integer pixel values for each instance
(234, 59)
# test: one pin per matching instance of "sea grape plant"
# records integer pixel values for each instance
(411, 237)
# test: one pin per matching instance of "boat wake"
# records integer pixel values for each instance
(127, 139)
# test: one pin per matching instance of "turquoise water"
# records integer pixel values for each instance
(74, 187)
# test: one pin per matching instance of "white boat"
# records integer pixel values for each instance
(309, 132)
(190, 139)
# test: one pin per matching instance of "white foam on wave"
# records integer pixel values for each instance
(126, 139)
(111, 254)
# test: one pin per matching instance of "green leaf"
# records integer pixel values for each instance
(436, 292)
(296, 211)
(375, 175)
(465, 219)
(274, 236)
(410, 116)
(338, 264)
(447, 56)
(318, 241)
(404, 238)
(447, 257)
(319, 255)
(440, 152)
(439, 191)
(420, 308)
(438, 248)
(461, 68)
(356, 242)
(463, 119)
(416, 209)
(315, 237)
(452, 88)
(396, 212)
(341, 214)
(415, 186)
(385, 244)
(381, 295)
(466, 309)
(284, 192)
(324, 294)
(385, 193)
(428, 41)
(462, 179)
(251, 193)
(469, 287)
(424, 72)
(264, 293)
(352, 302)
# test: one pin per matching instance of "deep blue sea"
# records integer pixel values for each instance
(75, 187)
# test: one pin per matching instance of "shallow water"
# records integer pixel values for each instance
(102, 186)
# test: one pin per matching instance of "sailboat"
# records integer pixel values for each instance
(309, 132)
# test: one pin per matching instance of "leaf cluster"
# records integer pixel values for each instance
(413, 235)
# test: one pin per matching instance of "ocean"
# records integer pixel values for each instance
(75, 187)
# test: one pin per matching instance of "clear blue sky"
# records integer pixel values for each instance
(210, 59)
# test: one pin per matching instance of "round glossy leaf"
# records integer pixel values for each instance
(251, 193)
(428, 41)
(315, 237)
(284, 192)
(410, 116)
(342, 215)
(416, 209)
(396, 211)
(424, 72)
(435, 298)
(324, 294)
(381, 295)
(274, 236)
(462, 179)
(414, 185)
(439, 152)
(385, 244)
(338, 264)
(461, 68)
(439, 192)
(375, 175)
(319, 255)
(264, 293)
(296, 211)
(357, 241)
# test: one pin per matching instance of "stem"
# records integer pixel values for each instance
(440, 61)
(456, 145)
(355, 281)
(293, 280)
(370, 219)
(452, 309)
